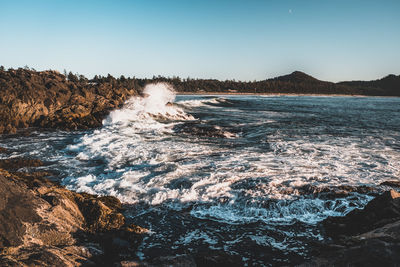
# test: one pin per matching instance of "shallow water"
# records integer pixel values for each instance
(239, 174)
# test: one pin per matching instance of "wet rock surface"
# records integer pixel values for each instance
(367, 237)
(380, 211)
(395, 184)
(331, 192)
(44, 224)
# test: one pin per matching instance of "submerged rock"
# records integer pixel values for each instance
(203, 130)
(14, 164)
(391, 183)
(326, 192)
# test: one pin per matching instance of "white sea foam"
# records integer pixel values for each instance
(269, 175)
(198, 102)
(146, 163)
(156, 104)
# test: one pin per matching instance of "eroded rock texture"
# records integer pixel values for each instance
(45, 224)
(49, 99)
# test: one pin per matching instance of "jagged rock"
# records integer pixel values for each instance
(48, 99)
(44, 224)
(16, 208)
(367, 237)
(381, 210)
(370, 252)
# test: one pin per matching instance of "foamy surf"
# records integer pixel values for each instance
(147, 163)
(239, 174)
(155, 104)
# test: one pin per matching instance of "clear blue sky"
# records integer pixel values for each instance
(244, 40)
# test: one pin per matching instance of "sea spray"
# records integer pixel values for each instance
(156, 103)
(157, 97)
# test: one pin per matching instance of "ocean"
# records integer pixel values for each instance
(248, 176)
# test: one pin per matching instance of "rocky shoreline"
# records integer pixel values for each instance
(48, 99)
(44, 224)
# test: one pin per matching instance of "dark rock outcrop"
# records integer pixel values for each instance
(380, 211)
(391, 183)
(367, 237)
(202, 130)
(14, 164)
(45, 224)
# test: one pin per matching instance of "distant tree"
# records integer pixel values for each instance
(110, 78)
(2, 68)
(82, 79)
(72, 77)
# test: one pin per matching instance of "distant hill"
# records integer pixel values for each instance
(389, 85)
(297, 83)
(295, 77)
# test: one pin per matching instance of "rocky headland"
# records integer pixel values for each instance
(48, 99)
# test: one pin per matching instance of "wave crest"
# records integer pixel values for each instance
(156, 104)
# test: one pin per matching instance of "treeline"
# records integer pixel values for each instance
(389, 85)
(296, 82)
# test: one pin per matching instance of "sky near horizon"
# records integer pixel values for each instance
(242, 40)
